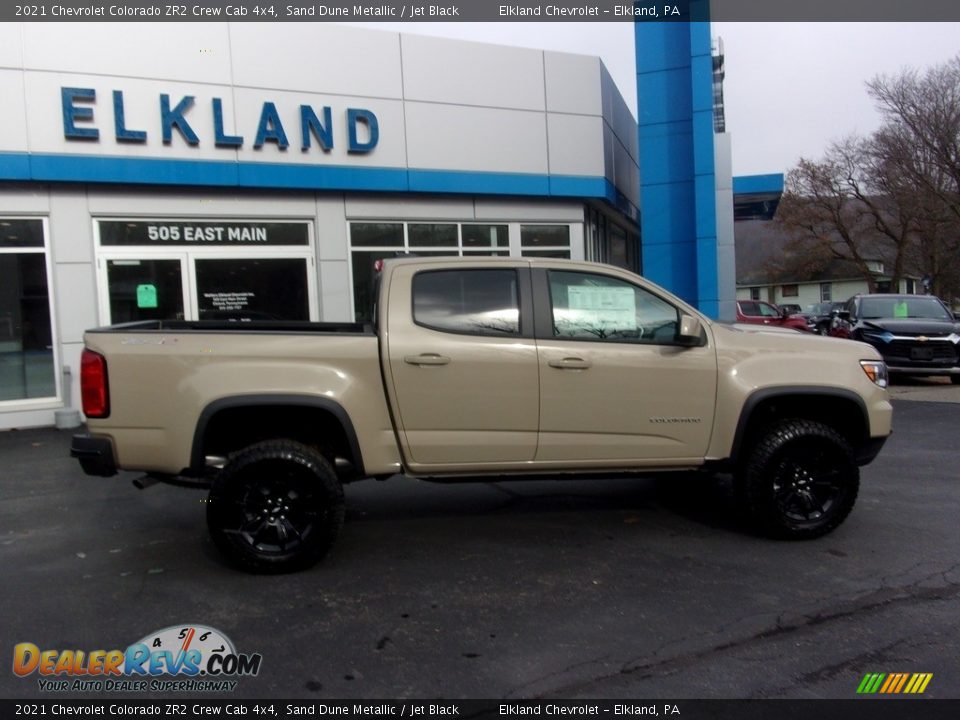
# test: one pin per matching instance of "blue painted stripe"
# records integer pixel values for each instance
(156, 171)
(14, 166)
(321, 177)
(479, 183)
(153, 171)
(750, 184)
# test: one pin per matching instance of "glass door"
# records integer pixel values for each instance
(144, 288)
(252, 288)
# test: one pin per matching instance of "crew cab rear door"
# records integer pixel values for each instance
(461, 364)
(616, 388)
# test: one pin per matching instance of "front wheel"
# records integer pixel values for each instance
(800, 480)
(276, 506)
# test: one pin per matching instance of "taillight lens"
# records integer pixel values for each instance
(93, 385)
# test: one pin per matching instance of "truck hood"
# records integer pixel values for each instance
(912, 326)
(806, 351)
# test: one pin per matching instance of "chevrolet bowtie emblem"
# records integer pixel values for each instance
(922, 338)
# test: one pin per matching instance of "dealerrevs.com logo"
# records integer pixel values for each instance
(187, 658)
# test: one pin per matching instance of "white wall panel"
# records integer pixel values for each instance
(25, 199)
(528, 210)
(331, 228)
(573, 83)
(189, 52)
(10, 48)
(317, 57)
(214, 204)
(13, 121)
(451, 137)
(408, 208)
(466, 73)
(576, 144)
(75, 293)
(335, 292)
(71, 230)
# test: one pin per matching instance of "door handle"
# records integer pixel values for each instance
(569, 363)
(426, 359)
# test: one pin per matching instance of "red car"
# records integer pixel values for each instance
(758, 312)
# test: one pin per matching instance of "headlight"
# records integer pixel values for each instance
(876, 370)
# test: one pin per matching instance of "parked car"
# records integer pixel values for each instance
(820, 316)
(915, 334)
(758, 312)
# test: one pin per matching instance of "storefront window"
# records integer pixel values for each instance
(372, 241)
(27, 367)
(424, 235)
(545, 241)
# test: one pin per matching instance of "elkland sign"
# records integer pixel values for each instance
(81, 121)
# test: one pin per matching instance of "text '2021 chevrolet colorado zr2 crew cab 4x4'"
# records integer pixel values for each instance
(486, 368)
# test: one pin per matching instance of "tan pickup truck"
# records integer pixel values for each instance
(479, 368)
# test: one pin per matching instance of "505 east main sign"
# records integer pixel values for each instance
(80, 123)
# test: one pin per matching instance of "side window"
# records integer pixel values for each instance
(768, 310)
(749, 309)
(473, 302)
(597, 307)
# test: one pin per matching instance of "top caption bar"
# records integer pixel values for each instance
(487, 11)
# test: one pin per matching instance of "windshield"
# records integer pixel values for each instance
(915, 306)
(823, 308)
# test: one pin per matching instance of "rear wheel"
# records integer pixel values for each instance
(800, 481)
(276, 506)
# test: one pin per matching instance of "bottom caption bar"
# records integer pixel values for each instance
(868, 709)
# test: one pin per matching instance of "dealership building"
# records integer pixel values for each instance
(182, 171)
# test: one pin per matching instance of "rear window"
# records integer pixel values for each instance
(471, 302)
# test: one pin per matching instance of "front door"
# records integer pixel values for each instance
(615, 388)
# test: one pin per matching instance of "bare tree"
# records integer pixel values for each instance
(893, 196)
(918, 148)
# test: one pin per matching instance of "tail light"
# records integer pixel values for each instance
(93, 385)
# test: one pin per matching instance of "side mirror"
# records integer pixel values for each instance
(956, 316)
(690, 333)
(843, 314)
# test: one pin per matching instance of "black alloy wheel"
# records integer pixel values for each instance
(277, 506)
(800, 481)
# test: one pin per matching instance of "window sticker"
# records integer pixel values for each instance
(612, 309)
(146, 296)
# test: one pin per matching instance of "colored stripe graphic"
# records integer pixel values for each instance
(894, 683)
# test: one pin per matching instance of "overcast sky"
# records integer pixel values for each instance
(791, 88)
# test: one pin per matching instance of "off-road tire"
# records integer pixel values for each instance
(277, 506)
(799, 481)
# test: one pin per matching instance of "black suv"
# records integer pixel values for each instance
(916, 334)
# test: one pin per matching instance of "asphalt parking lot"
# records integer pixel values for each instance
(634, 588)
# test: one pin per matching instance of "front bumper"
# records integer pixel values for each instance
(95, 455)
